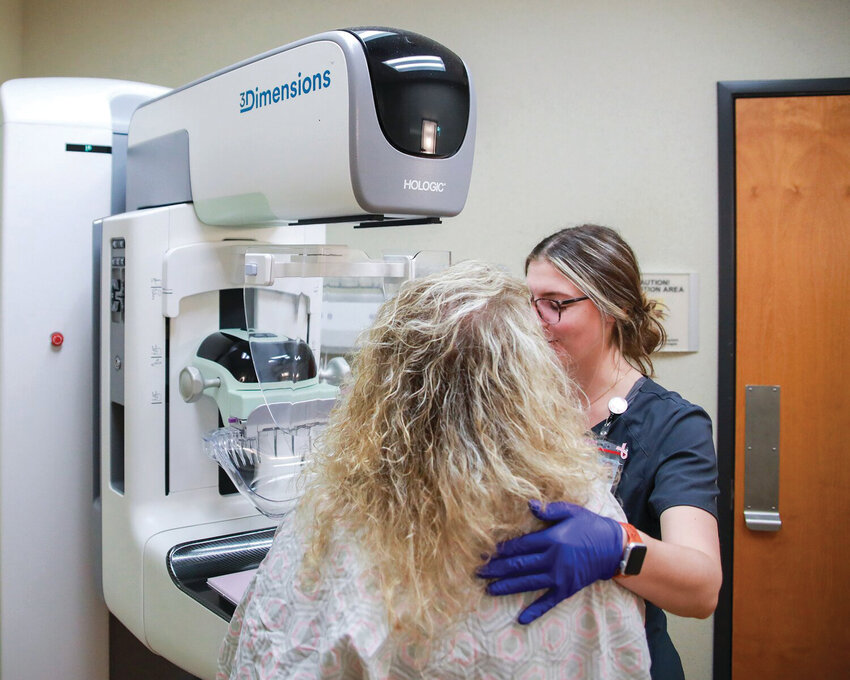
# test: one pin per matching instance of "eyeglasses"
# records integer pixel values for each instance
(550, 310)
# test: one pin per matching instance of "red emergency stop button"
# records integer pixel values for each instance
(56, 339)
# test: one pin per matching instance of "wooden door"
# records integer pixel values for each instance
(791, 588)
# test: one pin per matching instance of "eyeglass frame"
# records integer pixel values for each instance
(561, 304)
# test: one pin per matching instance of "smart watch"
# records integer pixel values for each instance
(634, 552)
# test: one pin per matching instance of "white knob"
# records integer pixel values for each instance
(192, 384)
(335, 371)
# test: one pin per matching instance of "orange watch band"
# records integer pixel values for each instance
(632, 534)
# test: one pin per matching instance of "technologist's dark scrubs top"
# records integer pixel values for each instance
(671, 461)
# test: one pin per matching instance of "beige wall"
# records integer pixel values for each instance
(11, 32)
(599, 111)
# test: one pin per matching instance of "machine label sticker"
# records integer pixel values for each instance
(257, 98)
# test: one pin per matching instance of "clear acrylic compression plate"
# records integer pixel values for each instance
(305, 306)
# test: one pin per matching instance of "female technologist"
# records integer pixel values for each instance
(585, 285)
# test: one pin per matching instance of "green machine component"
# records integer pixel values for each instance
(273, 401)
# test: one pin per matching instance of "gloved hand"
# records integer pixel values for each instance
(580, 548)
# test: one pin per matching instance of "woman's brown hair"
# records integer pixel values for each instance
(603, 266)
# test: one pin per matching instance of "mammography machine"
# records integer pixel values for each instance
(224, 316)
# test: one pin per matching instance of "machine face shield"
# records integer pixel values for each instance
(277, 378)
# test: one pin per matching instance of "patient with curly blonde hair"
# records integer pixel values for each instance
(456, 415)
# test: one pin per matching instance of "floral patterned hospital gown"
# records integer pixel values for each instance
(289, 628)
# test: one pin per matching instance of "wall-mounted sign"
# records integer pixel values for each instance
(679, 293)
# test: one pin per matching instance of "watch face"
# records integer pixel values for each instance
(633, 560)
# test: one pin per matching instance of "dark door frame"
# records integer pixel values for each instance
(727, 94)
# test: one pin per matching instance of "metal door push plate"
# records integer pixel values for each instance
(761, 458)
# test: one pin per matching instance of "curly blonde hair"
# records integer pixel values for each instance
(458, 414)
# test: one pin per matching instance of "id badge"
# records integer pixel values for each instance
(613, 457)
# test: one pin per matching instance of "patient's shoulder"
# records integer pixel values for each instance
(602, 502)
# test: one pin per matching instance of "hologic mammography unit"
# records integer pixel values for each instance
(224, 317)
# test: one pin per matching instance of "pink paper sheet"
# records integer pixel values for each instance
(232, 586)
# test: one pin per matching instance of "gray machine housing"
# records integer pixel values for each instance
(385, 134)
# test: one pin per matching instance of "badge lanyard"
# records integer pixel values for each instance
(616, 407)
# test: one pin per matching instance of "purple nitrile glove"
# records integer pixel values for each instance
(579, 548)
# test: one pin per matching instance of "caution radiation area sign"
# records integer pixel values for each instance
(679, 294)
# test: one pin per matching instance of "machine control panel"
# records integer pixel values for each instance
(117, 295)
(117, 301)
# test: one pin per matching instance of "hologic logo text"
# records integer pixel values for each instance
(257, 98)
(424, 185)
